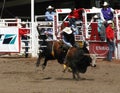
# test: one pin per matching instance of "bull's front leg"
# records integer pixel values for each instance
(73, 73)
(76, 75)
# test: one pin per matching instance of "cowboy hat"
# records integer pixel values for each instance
(67, 30)
(95, 16)
(93, 7)
(105, 4)
(50, 7)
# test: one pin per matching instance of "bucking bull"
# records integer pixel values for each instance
(75, 58)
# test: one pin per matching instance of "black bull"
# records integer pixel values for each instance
(54, 50)
(78, 59)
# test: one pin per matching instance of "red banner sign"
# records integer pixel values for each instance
(99, 48)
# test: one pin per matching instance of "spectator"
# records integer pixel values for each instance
(23, 31)
(107, 12)
(101, 27)
(110, 40)
(49, 13)
(75, 15)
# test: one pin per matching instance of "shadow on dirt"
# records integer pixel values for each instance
(73, 79)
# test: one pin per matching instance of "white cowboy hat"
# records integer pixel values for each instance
(93, 7)
(109, 21)
(105, 4)
(95, 16)
(50, 7)
(67, 30)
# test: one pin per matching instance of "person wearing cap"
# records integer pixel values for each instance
(101, 27)
(107, 12)
(23, 31)
(68, 37)
(49, 13)
(110, 39)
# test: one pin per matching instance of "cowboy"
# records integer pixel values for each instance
(107, 12)
(68, 37)
(49, 13)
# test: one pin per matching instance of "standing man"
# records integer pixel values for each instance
(110, 39)
(23, 31)
(49, 14)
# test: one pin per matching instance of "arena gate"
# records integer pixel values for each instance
(10, 39)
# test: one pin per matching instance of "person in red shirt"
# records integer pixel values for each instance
(23, 31)
(73, 16)
(110, 35)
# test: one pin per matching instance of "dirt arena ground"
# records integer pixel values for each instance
(19, 75)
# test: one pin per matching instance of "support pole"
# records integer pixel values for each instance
(34, 54)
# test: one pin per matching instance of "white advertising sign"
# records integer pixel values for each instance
(9, 39)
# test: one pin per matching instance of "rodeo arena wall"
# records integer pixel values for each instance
(11, 42)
